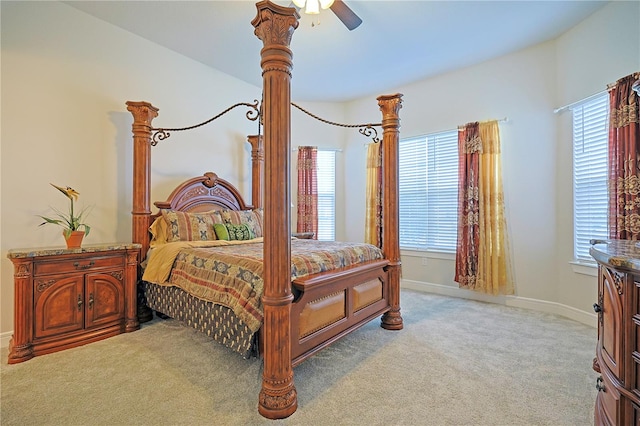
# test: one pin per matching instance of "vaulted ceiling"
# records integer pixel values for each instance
(398, 42)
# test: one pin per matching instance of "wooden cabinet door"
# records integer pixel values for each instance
(105, 297)
(611, 299)
(59, 305)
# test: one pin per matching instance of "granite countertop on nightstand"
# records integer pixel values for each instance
(54, 251)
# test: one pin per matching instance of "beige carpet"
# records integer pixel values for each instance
(457, 362)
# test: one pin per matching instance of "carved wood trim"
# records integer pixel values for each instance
(118, 275)
(42, 285)
(22, 270)
(617, 281)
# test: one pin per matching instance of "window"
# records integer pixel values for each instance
(428, 186)
(326, 194)
(590, 199)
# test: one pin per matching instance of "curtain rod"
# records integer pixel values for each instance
(572, 104)
(588, 98)
(501, 120)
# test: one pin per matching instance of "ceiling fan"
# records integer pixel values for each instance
(341, 10)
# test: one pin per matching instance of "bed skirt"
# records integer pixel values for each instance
(217, 321)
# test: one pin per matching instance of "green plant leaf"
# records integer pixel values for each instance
(69, 221)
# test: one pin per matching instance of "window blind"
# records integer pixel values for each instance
(326, 173)
(428, 191)
(590, 170)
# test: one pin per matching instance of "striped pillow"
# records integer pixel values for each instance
(187, 226)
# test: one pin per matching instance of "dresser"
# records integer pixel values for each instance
(618, 349)
(70, 297)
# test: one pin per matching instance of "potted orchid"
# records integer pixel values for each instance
(74, 229)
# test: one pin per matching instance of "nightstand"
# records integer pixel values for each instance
(70, 297)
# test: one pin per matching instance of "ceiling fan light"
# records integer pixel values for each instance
(313, 8)
(326, 4)
(299, 3)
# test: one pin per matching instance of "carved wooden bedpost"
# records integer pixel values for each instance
(274, 25)
(257, 169)
(390, 106)
(143, 113)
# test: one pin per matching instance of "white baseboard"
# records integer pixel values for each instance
(5, 338)
(583, 317)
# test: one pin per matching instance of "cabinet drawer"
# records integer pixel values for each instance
(78, 264)
(608, 407)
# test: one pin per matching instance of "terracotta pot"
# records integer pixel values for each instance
(74, 240)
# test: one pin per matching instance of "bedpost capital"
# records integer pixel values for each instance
(275, 24)
(257, 146)
(143, 112)
(390, 106)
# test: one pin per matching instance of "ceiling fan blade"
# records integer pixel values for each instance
(346, 15)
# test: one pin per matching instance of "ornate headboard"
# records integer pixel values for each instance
(204, 193)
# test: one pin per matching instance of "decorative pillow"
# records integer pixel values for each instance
(240, 232)
(259, 217)
(252, 218)
(187, 226)
(229, 231)
(158, 230)
(221, 231)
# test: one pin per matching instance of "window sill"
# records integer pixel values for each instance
(584, 268)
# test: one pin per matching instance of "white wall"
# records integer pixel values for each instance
(65, 79)
(525, 87)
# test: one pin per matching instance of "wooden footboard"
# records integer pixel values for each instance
(334, 303)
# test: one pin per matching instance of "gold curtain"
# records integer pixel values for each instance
(482, 253)
(373, 216)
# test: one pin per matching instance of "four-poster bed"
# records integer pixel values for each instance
(301, 313)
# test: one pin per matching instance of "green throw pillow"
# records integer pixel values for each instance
(239, 232)
(221, 231)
